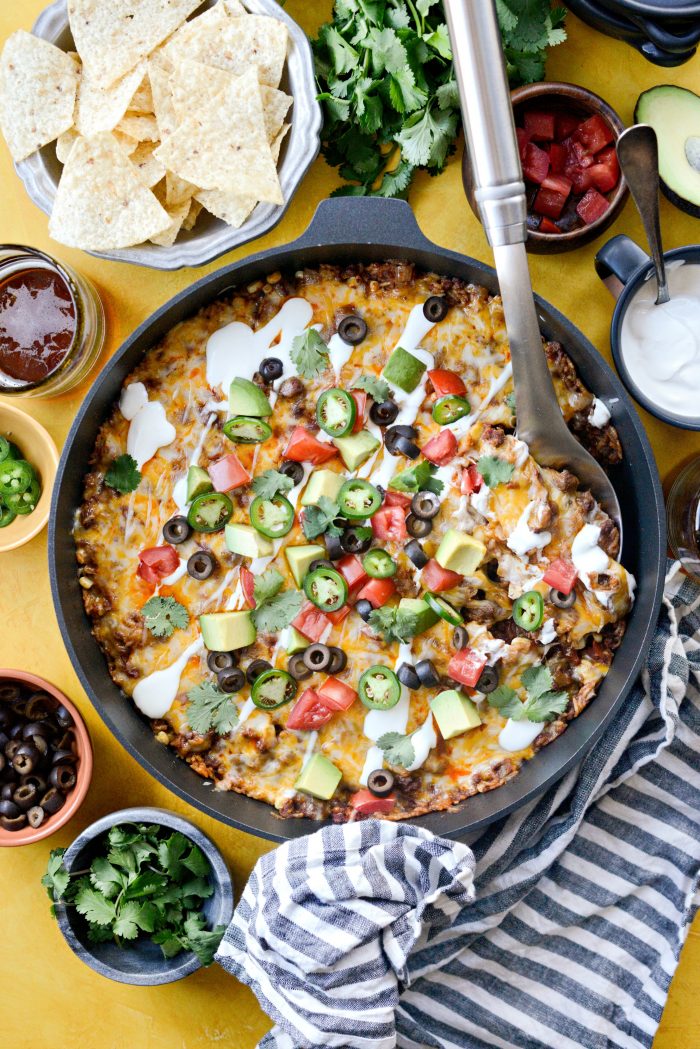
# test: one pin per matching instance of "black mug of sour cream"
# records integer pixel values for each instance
(625, 270)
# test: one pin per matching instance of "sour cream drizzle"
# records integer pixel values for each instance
(517, 735)
(149, 429)
(180, 489)
(522, 539)
(339, 353)
(154, 695)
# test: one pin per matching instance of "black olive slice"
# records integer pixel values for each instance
(425, 505)
(418, 527)
(177, 530)
(231, 679)
(380, 782)
(417, 554)
(435, 308)
(201, 565)
(271, 368)
(407, 676)
(352, 329)
(317, 657)
(256, 668)
(427, 674)
(297, 667)
(292, 469)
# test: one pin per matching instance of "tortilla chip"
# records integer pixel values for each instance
(234, 208)
(111, 36)
(150, 169)
(101, 203)
(65, 143)
(195, 86)
(38, 85)
(189, 36)
(142, 128)
(193, 215)
(234, 8)
(225, 146)
(237, 43)
(166, 117)
(177, 216)
(142, 100)
(127, 143)
(101, 108)
(177, 190)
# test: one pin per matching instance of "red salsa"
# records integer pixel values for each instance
(37, 324)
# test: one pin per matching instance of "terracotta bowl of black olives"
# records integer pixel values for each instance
(45, 758)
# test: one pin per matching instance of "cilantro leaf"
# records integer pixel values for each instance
(203, 942)
(196, 861)
(56, 879)
(106, 878)
(94, 906)
(132, 917)
(271, 483)
(537, 680)
(170, 853)
(164, 615)
(279, 612)
(541, 704)
(395, 181)
(494, 470)
(319, 518)
(123, 474)
(398, 749)
(309, 354)
(211, 708)
(506, 702)
(394, 623)
(267, 586)
(377, 388)
(510, 401)
(418, 478)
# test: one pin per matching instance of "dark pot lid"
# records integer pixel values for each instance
(656, 9)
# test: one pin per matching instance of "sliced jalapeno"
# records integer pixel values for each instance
(449, 409)
(528, 610)
(4, 449)
(7, 516)
(23, 503)
(210, 512)
(358, 499)
(272, 517)
(379, 564)
(326, 588)
(379, 688)
(273, 689)
(443, 609)
(242, 430)
(336, 412)
(16, 475)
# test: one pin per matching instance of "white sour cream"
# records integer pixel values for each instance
(154, 695)
(522, 539)
(339, 353)
(660, 345)
(587, 555)
(423, 739)
(548, 633)
(600, 414)
(149, 428)
(517, 735)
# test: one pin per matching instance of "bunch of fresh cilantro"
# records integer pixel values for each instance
(145, 881)
(387, 85)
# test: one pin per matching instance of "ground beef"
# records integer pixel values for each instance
(602, 442)
(494, 435)
(507, 630)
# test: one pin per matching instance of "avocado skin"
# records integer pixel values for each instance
(641, 117)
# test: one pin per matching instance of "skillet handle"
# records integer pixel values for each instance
(369, 220)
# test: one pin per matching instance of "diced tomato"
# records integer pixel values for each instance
(558, 184)
(310, 712)
(557, 158)
(248, 586)
(547, 226)
(535, 163)
(228, 473)
(303, 447)
(592, 206)
(389, 522)
(523, 139)
(608, 157)
(360, 399)
(471, 480)
(605, 173)
(539, 125)
(466, 666)
(547, 202)
(337, 694)
(579, 177)
(437, 578)
(595, 133)
(446, 382)
(397, 499)
(562, 575)
(312, 622)
(365, 803)
(339, 615)
(156, 563)
(441, 449)
(377, 592)
(577, 154)
(565, 124)
(350, 567)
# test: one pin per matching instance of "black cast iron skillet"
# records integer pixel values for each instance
(352, 230)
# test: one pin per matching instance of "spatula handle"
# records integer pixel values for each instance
(488, 119)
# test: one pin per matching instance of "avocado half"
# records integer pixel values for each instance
(674, 114)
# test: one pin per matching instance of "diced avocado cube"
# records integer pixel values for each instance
(225, 631)
(245, 540)
(198, 482)
(454, 713)
(319, 778)
(245, 398)
(300, 557)
(356, 448)
(404, 370)
(418, 607)
(322, 482)
(296, 642)
(459, 552)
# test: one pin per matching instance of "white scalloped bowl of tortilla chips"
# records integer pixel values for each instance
(189, 70)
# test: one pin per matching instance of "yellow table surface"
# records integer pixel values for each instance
(50, 995)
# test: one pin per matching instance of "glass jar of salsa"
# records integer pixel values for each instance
(683, 516)
(52, 324)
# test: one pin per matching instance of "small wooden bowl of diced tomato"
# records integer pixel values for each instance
(566, 137)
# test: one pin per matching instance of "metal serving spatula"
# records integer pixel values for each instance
(500, 193)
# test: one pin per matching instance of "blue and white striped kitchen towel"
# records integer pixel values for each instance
(373, 934)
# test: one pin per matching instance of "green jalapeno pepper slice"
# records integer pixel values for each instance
(358, 499)
(244, 430)
(16, 475)
(273, 689)
(272, 517)
(7, 516)
(209, 512)
(326, 588)
(528, 610)
(336, 412)
(443, 609)
(379, 564)
(379, 688)
(450, 408)
(23, 503)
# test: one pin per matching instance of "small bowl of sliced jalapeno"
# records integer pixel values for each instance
(28, 462)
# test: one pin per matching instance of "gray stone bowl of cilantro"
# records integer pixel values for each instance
(142, 896)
